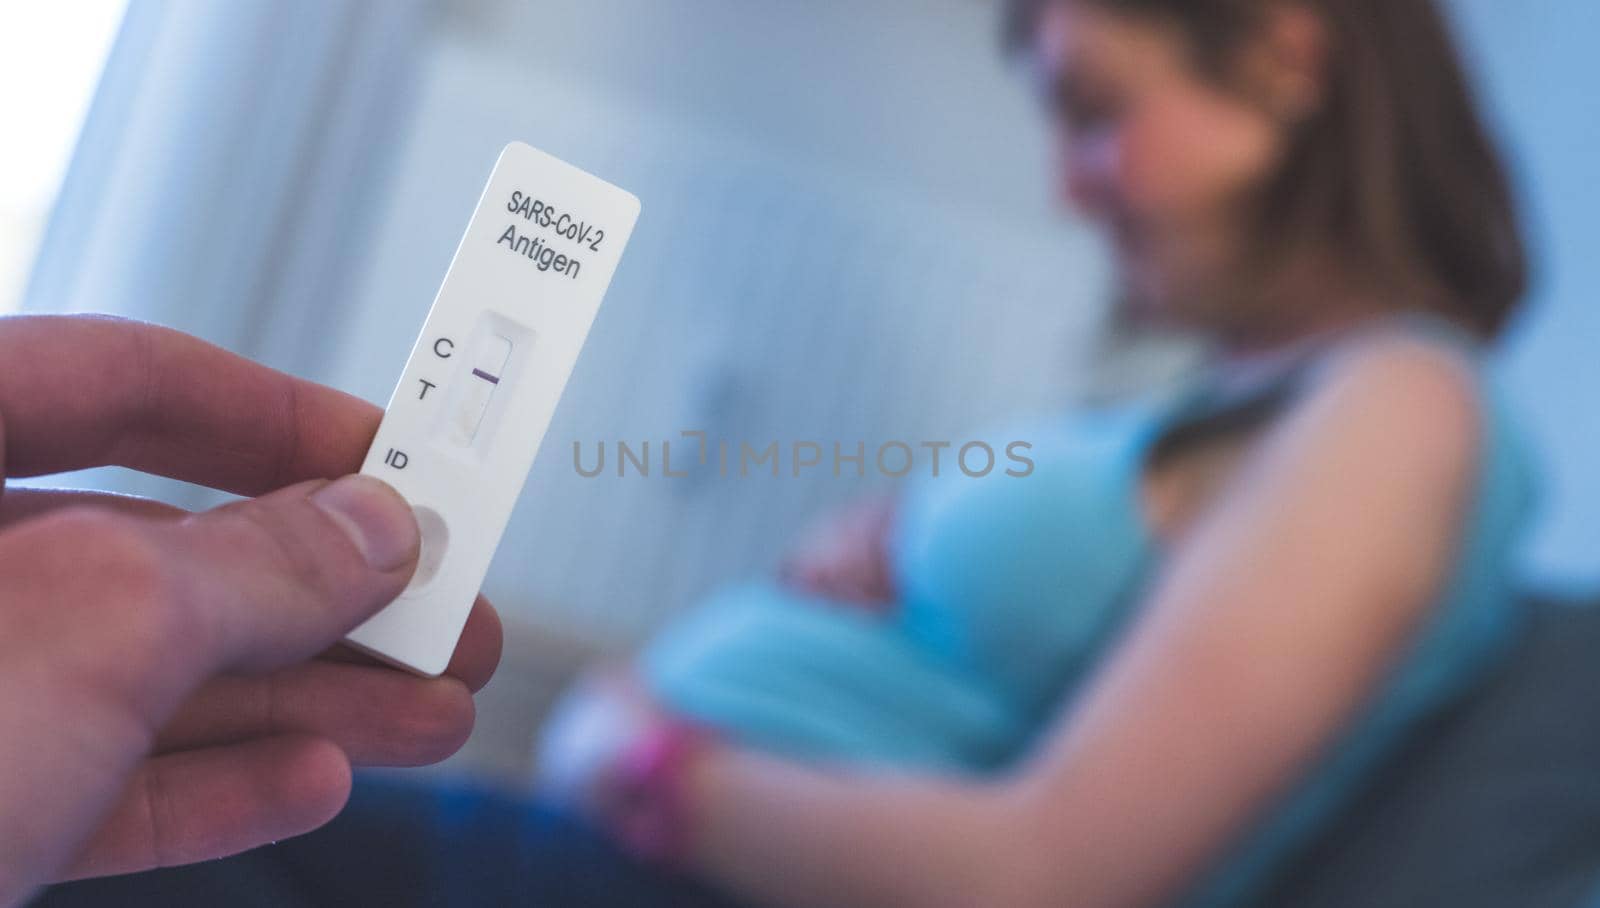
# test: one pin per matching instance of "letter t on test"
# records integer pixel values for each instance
(483, 381)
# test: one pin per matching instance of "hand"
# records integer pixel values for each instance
(586, 736)
(617, 757)
(162, 697)
(847, 558)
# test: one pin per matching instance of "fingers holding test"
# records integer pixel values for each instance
(476, 656)
(376, 715)
(279, 578)
(158, 606)
(90, 391)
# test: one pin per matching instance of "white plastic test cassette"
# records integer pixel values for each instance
(483, 380)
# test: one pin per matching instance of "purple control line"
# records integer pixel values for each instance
(491, 379)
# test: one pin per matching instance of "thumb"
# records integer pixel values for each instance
(276, 579)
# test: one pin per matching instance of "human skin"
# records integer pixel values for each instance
(171, 688)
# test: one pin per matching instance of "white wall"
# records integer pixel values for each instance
(843, 238)
(847, 235)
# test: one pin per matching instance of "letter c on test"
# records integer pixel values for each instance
(448, 346)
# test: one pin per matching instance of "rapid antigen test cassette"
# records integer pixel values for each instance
(483, 380)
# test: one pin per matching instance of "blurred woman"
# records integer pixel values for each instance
(1155, 668)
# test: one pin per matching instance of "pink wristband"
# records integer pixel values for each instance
(652, 821)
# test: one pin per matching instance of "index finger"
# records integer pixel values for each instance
(82, 391)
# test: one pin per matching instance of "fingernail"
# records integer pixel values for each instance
(375, 518)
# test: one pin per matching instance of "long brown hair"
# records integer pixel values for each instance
(1395, 173)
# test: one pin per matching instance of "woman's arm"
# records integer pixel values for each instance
(1274, 619)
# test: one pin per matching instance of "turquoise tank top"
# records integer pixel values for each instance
(1010, 589)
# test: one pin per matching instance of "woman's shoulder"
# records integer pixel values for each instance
(1420, 381)
(1432, 380)
(1423, 373)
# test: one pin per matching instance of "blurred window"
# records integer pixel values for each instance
(51, 55)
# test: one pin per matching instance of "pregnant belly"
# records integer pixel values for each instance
(791, 674)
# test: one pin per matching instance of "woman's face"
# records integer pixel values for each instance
(1154, 152)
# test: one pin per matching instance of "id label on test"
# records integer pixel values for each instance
(483, 381)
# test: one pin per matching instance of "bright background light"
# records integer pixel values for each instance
(51, 55)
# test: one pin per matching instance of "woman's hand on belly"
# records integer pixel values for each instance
(591, 727)
(602, 757)
(846, 558)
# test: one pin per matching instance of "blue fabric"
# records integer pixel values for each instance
(1011, 588)
(1009, 583)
